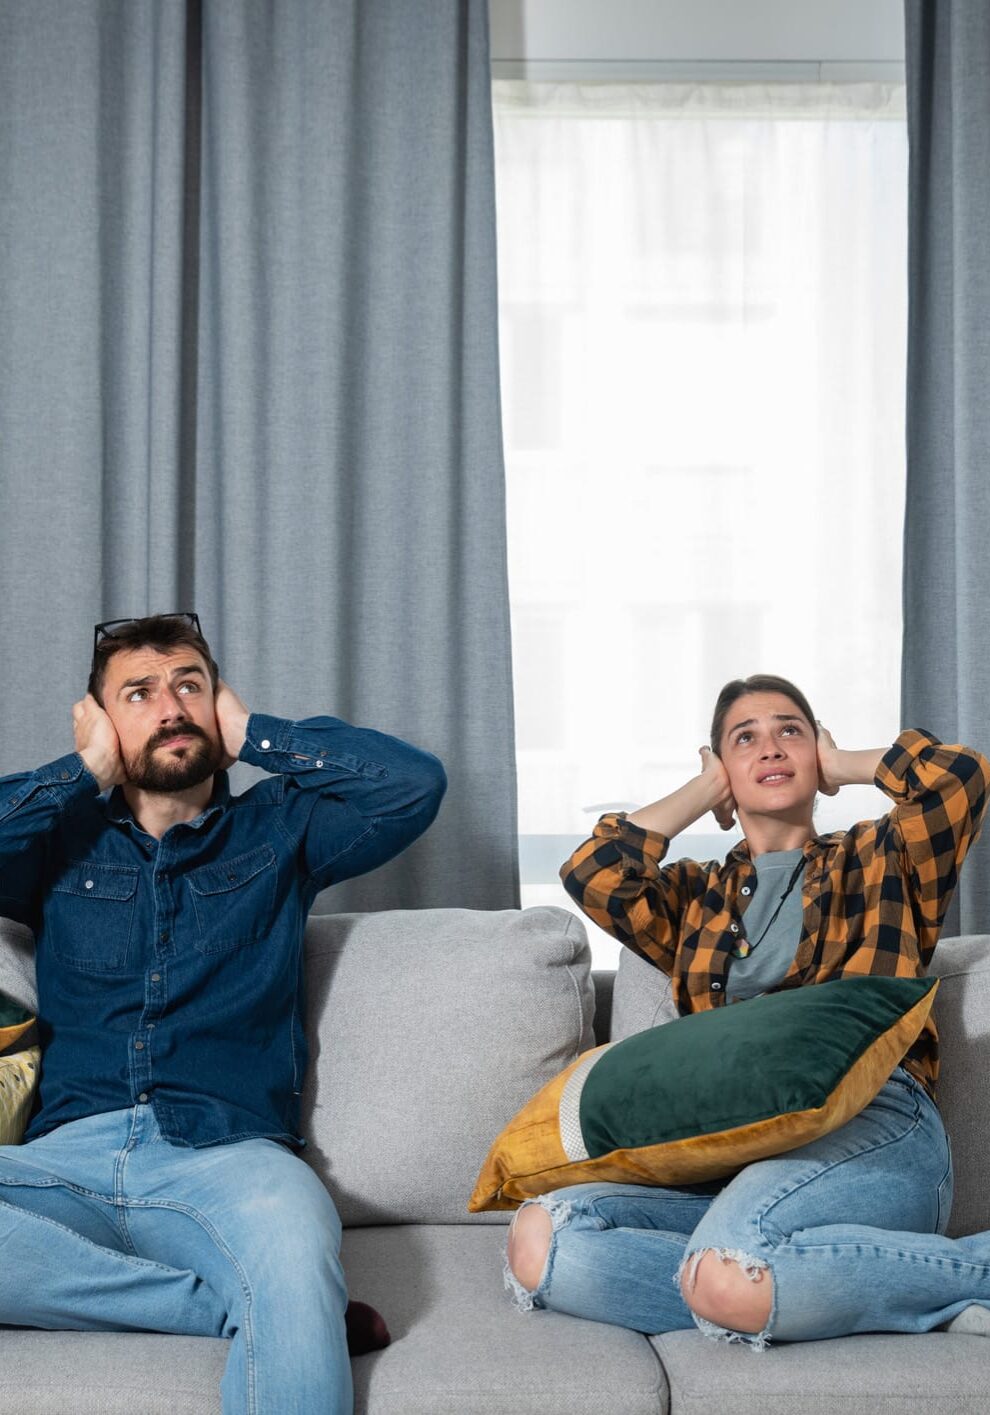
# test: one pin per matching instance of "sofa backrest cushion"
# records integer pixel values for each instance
(428, 1030)
(17, 964)
(642, 999)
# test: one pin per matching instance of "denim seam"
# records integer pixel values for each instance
(787, 1193)
(132, 1259)
(247, 1327)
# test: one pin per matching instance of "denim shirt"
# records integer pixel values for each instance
(170, 971)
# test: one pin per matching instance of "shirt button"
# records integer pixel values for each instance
(139, 1046)
(143, 1097)
(89, 884)
(716, 986)
(266, 744)
(733, 928)
(65, 776)
(156, 977)
(319, 763)
(746, 890)
(151, 1026)
(164, 936)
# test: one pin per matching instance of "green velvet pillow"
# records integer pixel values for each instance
(700, 1097)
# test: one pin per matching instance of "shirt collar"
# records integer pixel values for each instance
(118, 810)
(740, 854)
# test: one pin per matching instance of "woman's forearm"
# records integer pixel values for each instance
(858, 768)
(674, 813)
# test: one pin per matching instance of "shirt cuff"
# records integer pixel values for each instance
(277, 744)
(65, 778)
(645, 847)
(896, 762)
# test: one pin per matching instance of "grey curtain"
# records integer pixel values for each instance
(249, 366)
(946, 660)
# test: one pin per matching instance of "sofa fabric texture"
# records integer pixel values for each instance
(440, 1023)
(429, 1030)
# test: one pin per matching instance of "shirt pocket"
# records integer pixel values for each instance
(234, 900)
(90, 915)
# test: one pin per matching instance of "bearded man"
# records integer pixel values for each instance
(159, 1187)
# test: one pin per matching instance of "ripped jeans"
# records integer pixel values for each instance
(850, 1227)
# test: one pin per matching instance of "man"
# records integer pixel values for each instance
(156, 1189)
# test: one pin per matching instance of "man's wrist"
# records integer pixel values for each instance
(103, 773)
(235, 734)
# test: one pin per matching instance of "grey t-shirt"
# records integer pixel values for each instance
(767, 964)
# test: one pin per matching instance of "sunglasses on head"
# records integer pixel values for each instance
(112, 627)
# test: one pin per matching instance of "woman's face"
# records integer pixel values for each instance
(769, 751)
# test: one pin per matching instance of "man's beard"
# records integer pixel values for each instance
(168, 773)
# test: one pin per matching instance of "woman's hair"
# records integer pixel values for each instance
(758, 683)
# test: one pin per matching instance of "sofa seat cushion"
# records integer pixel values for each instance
(930, 1374)
(103, 1373)
(460, 1346)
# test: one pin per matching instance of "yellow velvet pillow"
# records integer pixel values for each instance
(700, 1097)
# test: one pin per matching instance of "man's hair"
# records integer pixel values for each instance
(163, 632)
(758, 683)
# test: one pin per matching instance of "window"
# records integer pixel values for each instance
(703, 326)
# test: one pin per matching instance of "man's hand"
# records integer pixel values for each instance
(232, 721)
(724, 805)
(97, 742)
(830, 768)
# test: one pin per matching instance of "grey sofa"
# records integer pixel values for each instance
(429, 1029)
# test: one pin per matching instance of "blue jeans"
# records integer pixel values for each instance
(105, 1226)
(850, 1226)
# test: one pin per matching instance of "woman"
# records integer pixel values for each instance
(844, 1234)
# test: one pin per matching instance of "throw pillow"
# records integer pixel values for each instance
(703, 1096)
(18, 1070)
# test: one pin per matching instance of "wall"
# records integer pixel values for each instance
(788, 39)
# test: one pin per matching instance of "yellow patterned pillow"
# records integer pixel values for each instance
(18, 1069)
(18, 1079)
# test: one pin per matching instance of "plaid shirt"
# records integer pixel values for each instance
(874, 896)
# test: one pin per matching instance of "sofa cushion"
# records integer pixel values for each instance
(103, 1373)
(429, 1028)
(699, 1098)
(929, 1374)
(460, 1347)
(642, 999)
(17, 964)
(962, 1014)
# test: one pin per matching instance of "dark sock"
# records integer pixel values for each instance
(366, 1329)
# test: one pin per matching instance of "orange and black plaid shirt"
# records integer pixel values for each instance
(874, 896)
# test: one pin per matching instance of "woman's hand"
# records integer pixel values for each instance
(717, 779)
(830, 773)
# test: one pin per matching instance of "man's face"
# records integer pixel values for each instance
(161, 703)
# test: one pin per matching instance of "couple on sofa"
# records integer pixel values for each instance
(157, 1188)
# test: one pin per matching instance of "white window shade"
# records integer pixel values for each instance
(703, 328)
